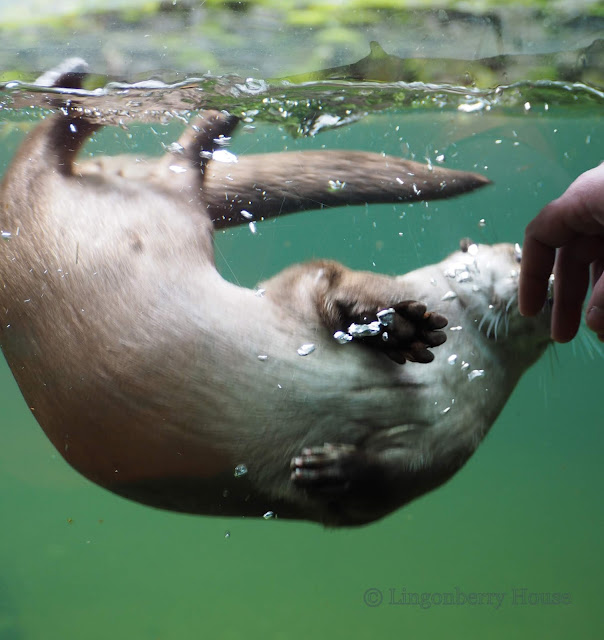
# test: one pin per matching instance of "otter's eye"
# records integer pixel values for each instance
(518, 253)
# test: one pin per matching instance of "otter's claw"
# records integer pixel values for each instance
(403, 332)
(326, 469)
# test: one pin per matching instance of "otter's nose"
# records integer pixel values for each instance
(464, 244)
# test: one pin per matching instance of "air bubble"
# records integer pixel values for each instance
(365, 330)
(306, 349)
(175, 147)
(472, 107)
(386, 316)
(222, 155)
(240, 470)
(342, 337)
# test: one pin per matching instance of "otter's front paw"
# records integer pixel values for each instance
(403, 332)
(327, 470)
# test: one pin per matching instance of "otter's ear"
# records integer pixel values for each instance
(209, 131)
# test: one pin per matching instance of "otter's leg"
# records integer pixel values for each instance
(210, 130)
(404, 331)
(359, 484)
(65, 134)
(372, 309)
(333, 469)
(361, 307)
(182, 167)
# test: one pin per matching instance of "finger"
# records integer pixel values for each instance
(579, 211)
(547, 232)
(581, 206)
(536, 267)
(573, 264)
(597, 269)
(595, 305)
(571, 281)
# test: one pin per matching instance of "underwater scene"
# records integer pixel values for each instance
(510, 545)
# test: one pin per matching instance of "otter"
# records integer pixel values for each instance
(316, 397)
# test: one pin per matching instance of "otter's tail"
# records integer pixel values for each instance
(267, 185)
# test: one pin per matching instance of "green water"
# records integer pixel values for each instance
(525, 513)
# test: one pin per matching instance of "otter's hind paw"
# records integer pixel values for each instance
(327, 469)
(403, 332)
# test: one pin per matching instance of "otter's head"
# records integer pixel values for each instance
(484, 279)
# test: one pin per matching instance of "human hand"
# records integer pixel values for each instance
(568, 235)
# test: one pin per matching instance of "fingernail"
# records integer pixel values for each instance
(595, 319)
